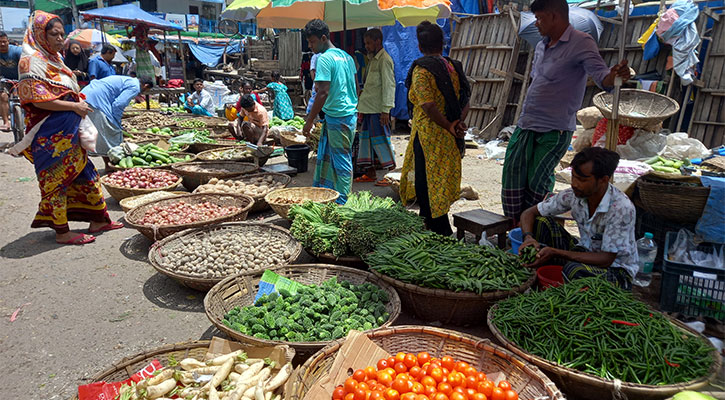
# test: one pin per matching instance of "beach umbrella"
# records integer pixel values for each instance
(91, 37)
(580, 18)
(338, 14)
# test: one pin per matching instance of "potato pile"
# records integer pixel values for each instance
(256, 187)
(224, 252)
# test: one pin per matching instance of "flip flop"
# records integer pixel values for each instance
(383, 182)
(107, 227)
(364, 178)
(79, 239)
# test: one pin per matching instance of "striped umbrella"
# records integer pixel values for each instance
(90, 37)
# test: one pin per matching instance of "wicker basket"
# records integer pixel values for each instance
(159, 232)
(240, 290)
(245, 228)
(259, 203)
(581, 385)
(449, 307)
(298, 194)
(126, 208)
(287, 138)
(526, 379)
(637, 108)
(126, 367)
(207, 155)
(672, 201)
(192, 157)
(345, 261)
(218, 144)
(119, 193)
(226, 169)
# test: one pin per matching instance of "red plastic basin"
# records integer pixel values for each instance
(549, 276)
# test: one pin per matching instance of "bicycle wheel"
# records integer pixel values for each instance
(18, 123)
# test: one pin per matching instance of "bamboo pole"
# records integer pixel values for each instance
(613, 124)
(183, 60)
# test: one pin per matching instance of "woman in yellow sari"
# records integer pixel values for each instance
(49, 93)
(438, 94)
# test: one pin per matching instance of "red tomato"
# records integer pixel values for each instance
(470, 371)
(408, 396)
(415, 371)
(461, 366)
(479, 396)
(363, 386)
(446, 388)
(471, 381)
(382, 364)
(485, 387)
(481, 377)
(371, 372)
(400, 357)
(470, 392)
(402, 385)
(455, 379)
(439, 396)
(400, 368)
(428, 381)
(360, 375)
(385, 378)
(392, 394)
(350, 385)
(377, 395)
(512, 395)
(448, 362)
(458, 396)
(437, 374)
(418, 388)
(360, 394)
(410, 360)
(498, 394)
(504, 385)
(423, 357)
(430, 390)
(350, 396)
(421, 397)
(391, 362)
(338, 393)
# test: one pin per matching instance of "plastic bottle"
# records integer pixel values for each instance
(647, 251)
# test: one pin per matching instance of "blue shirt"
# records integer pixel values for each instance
(338, 68)
(559, 78)
(111, 95)
(99, 68)
(9, 62)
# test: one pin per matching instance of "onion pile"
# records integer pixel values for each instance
(142, 178)
(258, 186)
(222, 253)
(181, 212)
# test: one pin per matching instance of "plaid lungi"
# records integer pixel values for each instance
(375, 142)
(334, 155)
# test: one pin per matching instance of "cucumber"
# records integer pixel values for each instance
(668, 170)
(148, 158)
(139, 162)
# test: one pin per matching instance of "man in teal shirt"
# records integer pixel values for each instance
(337, 97)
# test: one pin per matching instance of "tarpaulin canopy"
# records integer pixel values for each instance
(210, 54)
(580, 18)
(130, 14)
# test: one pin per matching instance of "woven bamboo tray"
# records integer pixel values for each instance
(159, 232)
(119, 193)
(526, 379)
(207, 155)
(673, 201)
(637, 108)
(240, 290)
(299, 194)
(192, 157)
(259, 203)
(287, 138)
(127, 366)
(447, 306)
(258, 229)
(126, 208)
(225, 169)
(581, 384)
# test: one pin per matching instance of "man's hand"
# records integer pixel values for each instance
(543, 256)
(307, 128)
(620, 70)
(530, 241)
(461, 129)
(384, 119)
(82, 108)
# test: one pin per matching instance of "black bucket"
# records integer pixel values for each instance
(297, 156)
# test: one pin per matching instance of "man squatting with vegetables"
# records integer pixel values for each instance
(605, 217)
(256, 127)
(562, 61)
(336, 89)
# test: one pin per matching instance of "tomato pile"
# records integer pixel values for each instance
(420, 377)
(142, 178)
(184, 213)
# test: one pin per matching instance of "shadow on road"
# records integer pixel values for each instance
(136, 247)
(30, 245)
(167, 293)
(213, 331)
(113, 205)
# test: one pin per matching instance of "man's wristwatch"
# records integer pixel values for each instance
(528, 234)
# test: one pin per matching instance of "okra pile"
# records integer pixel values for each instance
(440, 262)
(591, 326)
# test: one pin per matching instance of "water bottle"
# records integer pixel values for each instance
(647, 251)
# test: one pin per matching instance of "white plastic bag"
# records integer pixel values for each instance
(684, 250)
(493, 150)
(88, 134)
(642, 145)
(680, 147)
(484, 241)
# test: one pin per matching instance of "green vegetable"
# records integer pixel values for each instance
(591, 326)
(527, 255)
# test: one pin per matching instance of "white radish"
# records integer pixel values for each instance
(241, 368)
(223, 358)
(268, 396)
(156, 391)
(189, 391)
(213, 394)
(222, 373)
(259, 392)
(155, 380)
(279, 379)
(189, 364)
(250, 372)
(206, 370)
(248, 379)
(233, 376)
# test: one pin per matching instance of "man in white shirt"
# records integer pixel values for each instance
(605, 217)
(200, 102)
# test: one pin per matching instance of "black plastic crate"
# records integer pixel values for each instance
(690, 289)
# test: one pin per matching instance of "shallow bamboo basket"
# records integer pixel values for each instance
(119, 192)
(224, 170)
(276, 198)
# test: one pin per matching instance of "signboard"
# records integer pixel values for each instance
(178, 19)
(192, 22)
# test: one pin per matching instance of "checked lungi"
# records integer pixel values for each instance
(334, 155)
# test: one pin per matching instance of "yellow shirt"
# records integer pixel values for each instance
(378, 95)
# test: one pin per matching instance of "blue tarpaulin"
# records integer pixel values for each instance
(209, 54)
(130, 14)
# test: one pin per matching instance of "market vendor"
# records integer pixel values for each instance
(562, 62)
(100, 66)
(111, 96)
(337, 97)
(605, 217)
(200, 102)
(253, 124)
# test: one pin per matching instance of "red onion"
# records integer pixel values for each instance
(140, 178)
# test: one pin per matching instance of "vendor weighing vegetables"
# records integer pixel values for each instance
(605, 218)
(254, 129)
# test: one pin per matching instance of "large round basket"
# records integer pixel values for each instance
(637, 108)
(199, 173)
(192, 157)
(159, 232)
(125, 203)
(526, 379)
(218, 144)
(281, 200)
(240, 290)
(259, 203)
(256, 229)
(209, 155)
(119, 193)
(447, 306)
(126, 367)
(672, 200)
(581, 384)
(288, 138)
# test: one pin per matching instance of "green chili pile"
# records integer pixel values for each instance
(591, 326)
(440, 262)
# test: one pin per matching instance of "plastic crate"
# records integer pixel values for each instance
(691, 289)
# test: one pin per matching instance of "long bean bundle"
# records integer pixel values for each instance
(440, 262)
(594, 327)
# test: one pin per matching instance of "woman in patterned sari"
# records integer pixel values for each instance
(69, 185)
(438, 94)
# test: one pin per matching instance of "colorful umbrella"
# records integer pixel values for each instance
(338, 16)
(90, 37)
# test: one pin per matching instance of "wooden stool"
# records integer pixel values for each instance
(479, 221)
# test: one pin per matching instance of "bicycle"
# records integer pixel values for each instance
(17, 114)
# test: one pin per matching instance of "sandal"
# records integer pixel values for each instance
(364, 178)
(108, 227)
(383, 182)
(79, 239)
